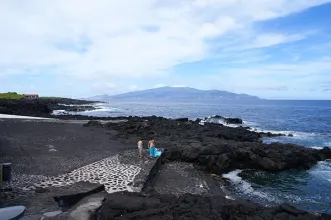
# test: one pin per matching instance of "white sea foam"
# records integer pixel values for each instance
(234, 177)
(76, 105)
(322, 170)
(102, 109)
(317, 148)
(244, 186)
(296, 134)
(59, 112)
(212, 119)
(255, 127)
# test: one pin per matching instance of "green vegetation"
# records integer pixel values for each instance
(11, 95)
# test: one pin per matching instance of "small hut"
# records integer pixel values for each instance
(31, 96)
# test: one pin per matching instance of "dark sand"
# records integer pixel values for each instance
(52, 148)
(41, 149)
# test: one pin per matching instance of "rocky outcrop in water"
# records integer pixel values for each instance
(148, 207)
(226, 156)
(182, 129)
(42, 107)
(215, 147)
(217, 118)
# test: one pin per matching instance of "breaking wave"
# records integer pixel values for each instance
(306, 189)
(101, 109)
(245, 187)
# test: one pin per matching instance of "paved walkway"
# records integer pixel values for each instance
(124, 171)
(116, 173)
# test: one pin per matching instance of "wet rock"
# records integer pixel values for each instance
(233, 120)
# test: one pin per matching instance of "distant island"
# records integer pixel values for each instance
(175, 94)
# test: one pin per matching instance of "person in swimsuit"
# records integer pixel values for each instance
(151, 146)
(140, 148)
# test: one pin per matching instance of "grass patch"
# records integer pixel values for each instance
(11, 95)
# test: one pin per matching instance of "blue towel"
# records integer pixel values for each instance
(152, 151)
(157, 153)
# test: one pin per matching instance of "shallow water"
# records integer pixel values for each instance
(308, 121)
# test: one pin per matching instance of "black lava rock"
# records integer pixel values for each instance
(164, 207)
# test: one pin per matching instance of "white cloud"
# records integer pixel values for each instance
(267, 40)
(272, 79)
(128, 39)
(159, 86)
(133, 88)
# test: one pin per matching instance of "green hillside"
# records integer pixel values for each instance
(11, 95)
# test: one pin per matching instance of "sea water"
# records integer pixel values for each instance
(308, 121)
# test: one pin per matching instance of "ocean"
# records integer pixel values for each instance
(308, 121)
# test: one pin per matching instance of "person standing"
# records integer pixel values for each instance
(151, 146)
(140, 148)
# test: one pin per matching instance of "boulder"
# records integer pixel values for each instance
(233, 120)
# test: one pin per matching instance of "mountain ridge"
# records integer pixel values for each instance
(175, 93)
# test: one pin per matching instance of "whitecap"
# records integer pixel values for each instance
(244, 186)
(322, 170)
(105, 109)
(75, 105)
(59, 112)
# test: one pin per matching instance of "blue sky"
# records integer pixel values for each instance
(274, 49)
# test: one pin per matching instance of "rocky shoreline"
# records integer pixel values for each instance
(215, 149)
(43, 107)
(211, 148)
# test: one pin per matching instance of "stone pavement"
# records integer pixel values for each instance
(122, 172)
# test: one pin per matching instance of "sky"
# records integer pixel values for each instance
(276, 49)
